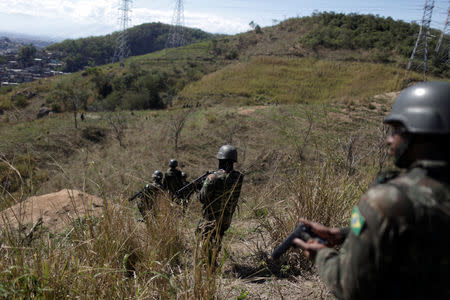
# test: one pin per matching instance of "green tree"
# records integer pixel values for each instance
(26, 54)
(70, 98)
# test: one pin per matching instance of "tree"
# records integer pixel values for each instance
(176, 125)
(70, 97)
(26, 54)
(118, 124)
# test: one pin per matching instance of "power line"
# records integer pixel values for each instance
(122, 49)
(176, 32)
(422, 39)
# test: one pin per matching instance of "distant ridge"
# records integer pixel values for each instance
(98, 50)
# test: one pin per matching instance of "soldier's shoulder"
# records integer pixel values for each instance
(218, 175)
(388, 200)
(236, 174)
(385, 176)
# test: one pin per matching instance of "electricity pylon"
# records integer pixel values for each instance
(122, 50)
(445, 32)
(421, 46)
(176, 31)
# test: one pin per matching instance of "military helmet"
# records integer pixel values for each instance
(423, 108)
(173, 163)
(157, 174)
(227, 152)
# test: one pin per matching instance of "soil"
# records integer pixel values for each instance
(57, 210)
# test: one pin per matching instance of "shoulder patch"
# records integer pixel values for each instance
(357, 221)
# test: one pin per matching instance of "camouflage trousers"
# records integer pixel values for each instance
(144, 205)
(211, 240)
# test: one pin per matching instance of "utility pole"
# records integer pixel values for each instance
(122, 50)
(422, 39)
(444, 32)
(176, 32)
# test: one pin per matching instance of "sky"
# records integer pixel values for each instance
(61, 19)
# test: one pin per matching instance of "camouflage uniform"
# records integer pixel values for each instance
(148, 198)
(173, 180)
(219, 197)
(398, 246)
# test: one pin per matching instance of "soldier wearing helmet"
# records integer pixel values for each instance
(173, 180)
(147, 197)
(219, 197)
(398, 246)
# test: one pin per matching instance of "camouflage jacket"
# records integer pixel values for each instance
(173, 180)
(147, 199)
(219, 196)
(398, 246)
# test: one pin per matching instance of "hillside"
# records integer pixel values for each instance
(311, 160)
(99, 50)
(306, 118)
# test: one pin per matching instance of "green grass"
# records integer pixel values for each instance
(298, 80)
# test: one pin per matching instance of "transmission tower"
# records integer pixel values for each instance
(445, 32)
(122, 50)
(176, 32)
(421, 46)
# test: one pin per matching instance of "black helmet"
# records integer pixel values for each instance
(227, 152)
(423, 108)
(157, 175)
(173, 163)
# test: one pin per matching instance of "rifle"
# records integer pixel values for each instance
(138, 194)
(29, 237)
(188, 189)
(302, 232)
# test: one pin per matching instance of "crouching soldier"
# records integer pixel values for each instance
(147, 196)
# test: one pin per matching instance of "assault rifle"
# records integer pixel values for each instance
(302, 232)
(188, 189)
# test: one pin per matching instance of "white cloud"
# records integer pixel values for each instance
(76, 18)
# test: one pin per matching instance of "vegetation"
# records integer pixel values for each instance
(305, 117)
(352, 31)
(26, 55)
(273, 80)
(142, 39)
(295, 158)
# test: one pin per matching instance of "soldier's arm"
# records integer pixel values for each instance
(207, 189)
(354, 271)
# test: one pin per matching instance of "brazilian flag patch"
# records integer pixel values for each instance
(357, 221)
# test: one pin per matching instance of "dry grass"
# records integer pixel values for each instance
(295, 164)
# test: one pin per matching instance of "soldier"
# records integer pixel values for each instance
(398, 245)
(219, 196)
(173, 180)
(148, 196)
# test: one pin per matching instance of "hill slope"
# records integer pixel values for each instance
(354, 49)
(142, 39)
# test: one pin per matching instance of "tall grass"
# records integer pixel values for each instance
(110, 257)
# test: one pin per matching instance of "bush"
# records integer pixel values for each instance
(20, 101)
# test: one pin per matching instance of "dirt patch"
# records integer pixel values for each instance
(57, 210)
(246, 111)
(339, 116)
(391, 96)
